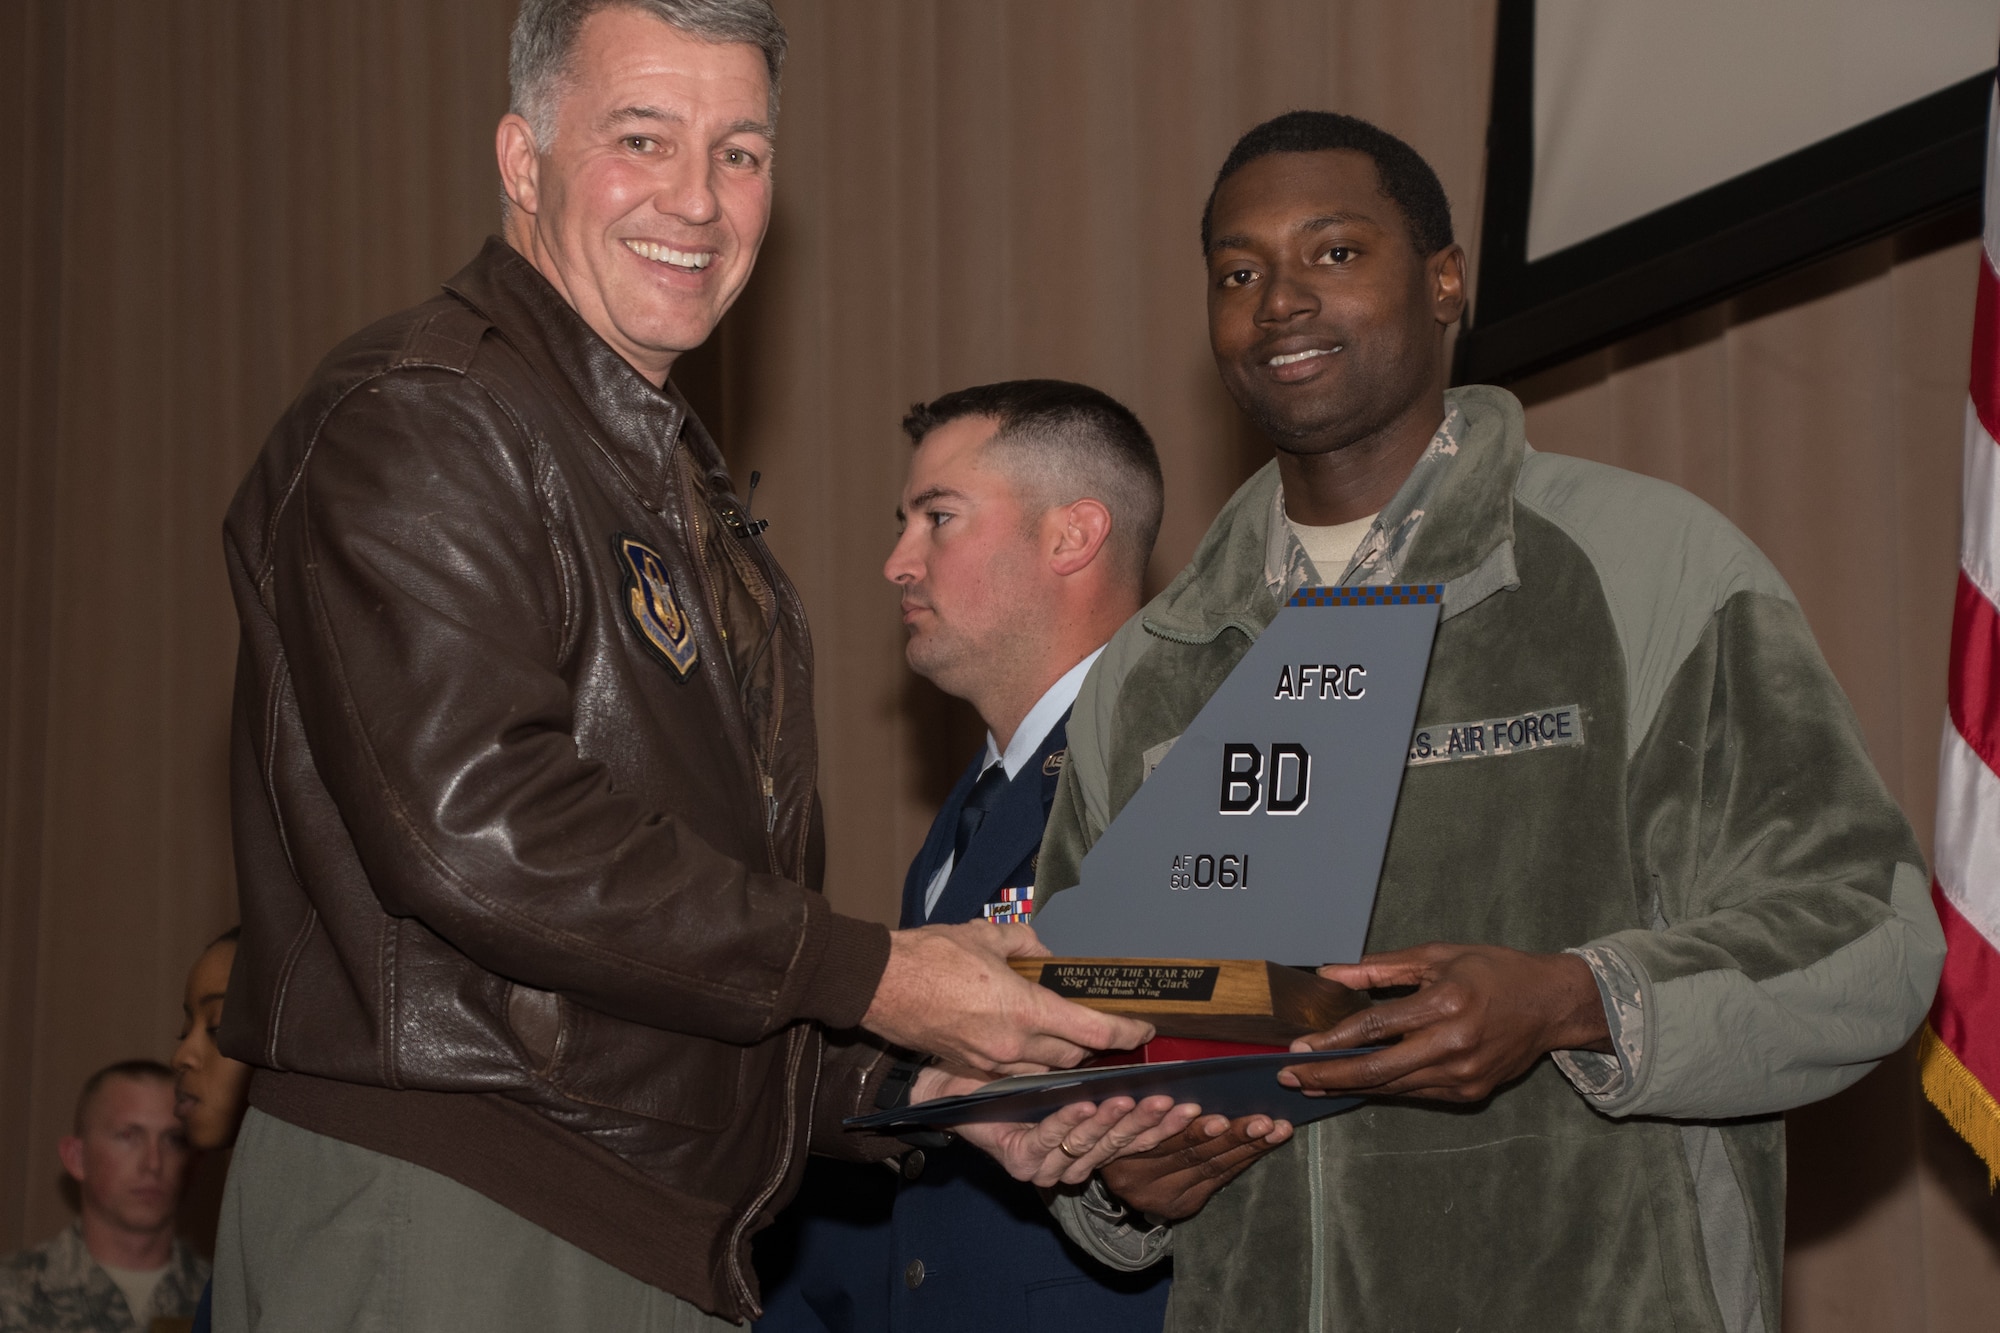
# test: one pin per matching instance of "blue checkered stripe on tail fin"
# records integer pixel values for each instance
(1369, 594)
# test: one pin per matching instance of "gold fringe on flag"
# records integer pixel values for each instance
(1962, 1099)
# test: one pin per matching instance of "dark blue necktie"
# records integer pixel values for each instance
(977, 803)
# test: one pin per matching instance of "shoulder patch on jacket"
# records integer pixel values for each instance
(650, 606)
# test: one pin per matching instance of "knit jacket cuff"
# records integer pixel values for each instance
(852, 957)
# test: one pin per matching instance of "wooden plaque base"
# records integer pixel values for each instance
(1228, 999)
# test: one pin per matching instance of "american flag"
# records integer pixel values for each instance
(1961, 1043)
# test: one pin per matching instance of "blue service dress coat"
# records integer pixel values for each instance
(952, 1244)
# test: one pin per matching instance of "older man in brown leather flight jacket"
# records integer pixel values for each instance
(534, 969)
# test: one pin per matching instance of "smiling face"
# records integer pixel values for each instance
(129, 1155)
(969, 563)
(647, 212)
(1325, 322)
(210, 1089)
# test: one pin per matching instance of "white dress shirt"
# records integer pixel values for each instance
(1027, 742)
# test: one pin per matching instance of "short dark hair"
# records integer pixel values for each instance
(1079, 441)
(141, 1069)
(1404, 175)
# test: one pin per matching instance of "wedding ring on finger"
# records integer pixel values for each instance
(1069, 1152)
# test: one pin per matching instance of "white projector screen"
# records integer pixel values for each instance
(1638, 106)
(1645, 159)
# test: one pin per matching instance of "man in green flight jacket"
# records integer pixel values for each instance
(1700, 901)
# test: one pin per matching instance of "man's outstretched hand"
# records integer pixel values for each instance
(1183, 1172)
(949, 992)
(1068, 1146)
(1481, 1016)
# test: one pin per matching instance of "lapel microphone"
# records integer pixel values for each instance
(740, 524)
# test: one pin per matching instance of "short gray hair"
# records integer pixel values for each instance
(546, 31)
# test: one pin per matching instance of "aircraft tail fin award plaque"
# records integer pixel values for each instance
(1251, 851)
(1261, 833)
(1259, 836)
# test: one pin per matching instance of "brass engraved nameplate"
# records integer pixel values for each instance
(1193, 982)
(1217, 999)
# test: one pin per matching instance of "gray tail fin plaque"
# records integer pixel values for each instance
(1261, 833)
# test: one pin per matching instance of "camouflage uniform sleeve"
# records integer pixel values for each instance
(1108, 1230)
(1602, 1077)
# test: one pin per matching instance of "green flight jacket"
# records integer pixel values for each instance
(1719, 848)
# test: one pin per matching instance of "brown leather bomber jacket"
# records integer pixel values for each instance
(523, 781)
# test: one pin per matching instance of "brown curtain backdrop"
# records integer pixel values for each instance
(203, 197)
(208, 194)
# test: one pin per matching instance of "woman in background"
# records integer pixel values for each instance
(210, 1089)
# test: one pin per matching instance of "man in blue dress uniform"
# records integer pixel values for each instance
(1028, 520)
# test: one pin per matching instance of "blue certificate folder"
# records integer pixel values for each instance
(1231, 1085)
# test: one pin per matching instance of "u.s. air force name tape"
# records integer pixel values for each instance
(1540, 729)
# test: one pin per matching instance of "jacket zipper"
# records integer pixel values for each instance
(761, 558)
(801, 1034)
(1316, 1232)
(692, 506)
(760, 755)
(777, 722)
(1194, 638)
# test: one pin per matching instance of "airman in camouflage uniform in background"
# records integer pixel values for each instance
(118, 1267)
(58, 1288)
